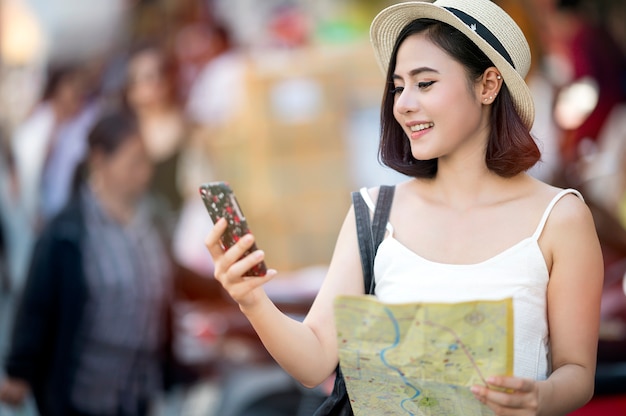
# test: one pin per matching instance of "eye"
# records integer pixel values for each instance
(396, 90)
(423, 85)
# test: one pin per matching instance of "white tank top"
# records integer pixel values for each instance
(519, 272)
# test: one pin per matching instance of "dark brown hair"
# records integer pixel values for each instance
(510, 148)
(111, 131)
(168, 69)
(107, 135)
(56, 75)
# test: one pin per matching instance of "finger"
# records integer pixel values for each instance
(242, 291)
(238, 249)
(483, 393)
(232, 266)
(242, 265)
(12, 398)
(248, 284)
(13, 392)
(479, 392)
(212, 240)
(511, 384)
(501, 398)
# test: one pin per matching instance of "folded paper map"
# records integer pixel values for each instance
(421, 358)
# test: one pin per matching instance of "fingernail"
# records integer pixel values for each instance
(474, 389)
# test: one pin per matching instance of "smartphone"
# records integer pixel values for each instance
(221, 202)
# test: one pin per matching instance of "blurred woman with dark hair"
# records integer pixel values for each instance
(151, 93)
(90, 331)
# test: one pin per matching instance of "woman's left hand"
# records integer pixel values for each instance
(509, 395)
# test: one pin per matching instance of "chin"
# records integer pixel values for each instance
(422, 155)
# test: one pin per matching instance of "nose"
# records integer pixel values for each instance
(406, 101)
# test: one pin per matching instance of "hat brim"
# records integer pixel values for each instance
(388, 24)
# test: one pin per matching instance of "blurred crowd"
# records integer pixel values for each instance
(101, 260)
(99, 179)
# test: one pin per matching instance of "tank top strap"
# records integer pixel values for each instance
(551, 205)
(370, 204)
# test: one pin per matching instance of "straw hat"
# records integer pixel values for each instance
(483, 22)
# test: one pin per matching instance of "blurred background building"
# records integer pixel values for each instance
(280, 98)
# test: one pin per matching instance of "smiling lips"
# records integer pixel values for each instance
(421, 126)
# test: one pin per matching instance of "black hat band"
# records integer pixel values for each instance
(482, 31)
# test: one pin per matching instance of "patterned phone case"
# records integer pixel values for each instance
(220, 201)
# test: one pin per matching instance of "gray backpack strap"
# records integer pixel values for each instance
(369, 234)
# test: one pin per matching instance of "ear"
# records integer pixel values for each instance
(489, 85)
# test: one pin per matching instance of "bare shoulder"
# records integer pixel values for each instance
(570, 223)
(401, 188)
(569, 240)
(570, 211)
(570, 206)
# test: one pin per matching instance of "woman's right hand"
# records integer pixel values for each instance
(230, 267)
(13, 391)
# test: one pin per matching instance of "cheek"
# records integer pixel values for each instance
(458, 109)
(449, 100)
(141, 93)
(144, 173)
(130, 173)
(119, 173)
(140, 170)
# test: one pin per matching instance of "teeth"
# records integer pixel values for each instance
(420, 127)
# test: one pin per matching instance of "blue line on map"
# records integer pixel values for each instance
(396, 342)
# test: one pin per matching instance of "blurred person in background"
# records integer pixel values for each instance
(597, 144)
(151, 93)
(542, 87)
(616, 15)
(217, 90)
(211, 70)
(90, 332)
(48, 145)
(193, 49)
(595, 59)
(45, 150)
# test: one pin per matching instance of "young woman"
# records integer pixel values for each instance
(469, 225)
(90, 331)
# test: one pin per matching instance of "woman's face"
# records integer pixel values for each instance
(146, 82)
(128, 170)
(70, 95)
(434, 103)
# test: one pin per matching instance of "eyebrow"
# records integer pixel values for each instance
(416, 71)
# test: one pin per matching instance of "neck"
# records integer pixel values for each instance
(463, 186)
(463, 179)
